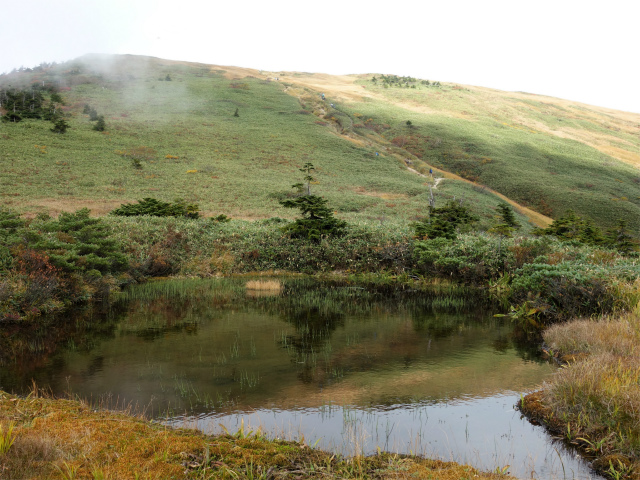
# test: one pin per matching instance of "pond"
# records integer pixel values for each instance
(348, 369)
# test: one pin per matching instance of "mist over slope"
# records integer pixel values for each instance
(233, 139)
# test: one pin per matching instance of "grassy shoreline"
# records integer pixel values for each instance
(58, 438)
(593, 402)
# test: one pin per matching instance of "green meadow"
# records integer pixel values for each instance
(172, 132)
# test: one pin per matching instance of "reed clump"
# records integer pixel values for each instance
(270, 285)
(263, 288)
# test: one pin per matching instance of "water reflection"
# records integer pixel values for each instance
(337, 363)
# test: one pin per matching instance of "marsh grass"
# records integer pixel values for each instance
(71, 439)
(594, 400)
(6, 438)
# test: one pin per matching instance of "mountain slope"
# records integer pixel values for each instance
(171, 132)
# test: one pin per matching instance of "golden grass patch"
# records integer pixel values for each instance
(263, 288)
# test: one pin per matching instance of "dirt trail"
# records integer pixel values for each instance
(538, 219)
(343, 87)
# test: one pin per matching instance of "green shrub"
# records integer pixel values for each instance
(100, 125)
(317, 219)
(472, 259)
(565, 290)
(76, 242)
(60, 126)
(444, 222)
(158, 208)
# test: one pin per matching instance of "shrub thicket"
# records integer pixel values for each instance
(444, 222)
(158, 208)
(49, 264)
(545, 279)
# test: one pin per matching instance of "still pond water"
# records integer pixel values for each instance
(348, 369)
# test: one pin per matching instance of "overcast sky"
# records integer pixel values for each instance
(580, 50)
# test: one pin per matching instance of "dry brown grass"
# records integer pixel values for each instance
(56, 437)
(619, 336)
(263, 288)
(594, 401)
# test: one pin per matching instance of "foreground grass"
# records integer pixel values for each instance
(594, 401)
(68, 439)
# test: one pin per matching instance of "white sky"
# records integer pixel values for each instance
(580, 50)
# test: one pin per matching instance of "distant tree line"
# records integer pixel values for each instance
(30, 103)
(406, 82)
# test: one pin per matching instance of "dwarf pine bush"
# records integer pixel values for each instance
(158, 208)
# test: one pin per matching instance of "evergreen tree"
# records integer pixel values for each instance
(566, 227)
(317, 218)
(508, 218)
(573, 227)
(620, 239)
(307, 168)
(444, 222)
(56, 97)
(100, 125)
(60, 126)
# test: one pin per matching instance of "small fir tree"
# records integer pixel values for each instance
(100, 125)
(60, 126)
(620, 239)
(444, 222)
(508, 218)
(317, 218)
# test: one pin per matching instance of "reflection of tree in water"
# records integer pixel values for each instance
(154, 320)
(313, 329)
(501, 344)
(527, 344)
(317, 310)
(441, 317)
(33, 350)
(315, 313)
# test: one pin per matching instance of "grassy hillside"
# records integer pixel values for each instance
(171, 132)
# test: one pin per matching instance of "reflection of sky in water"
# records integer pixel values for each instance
(483, 432)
